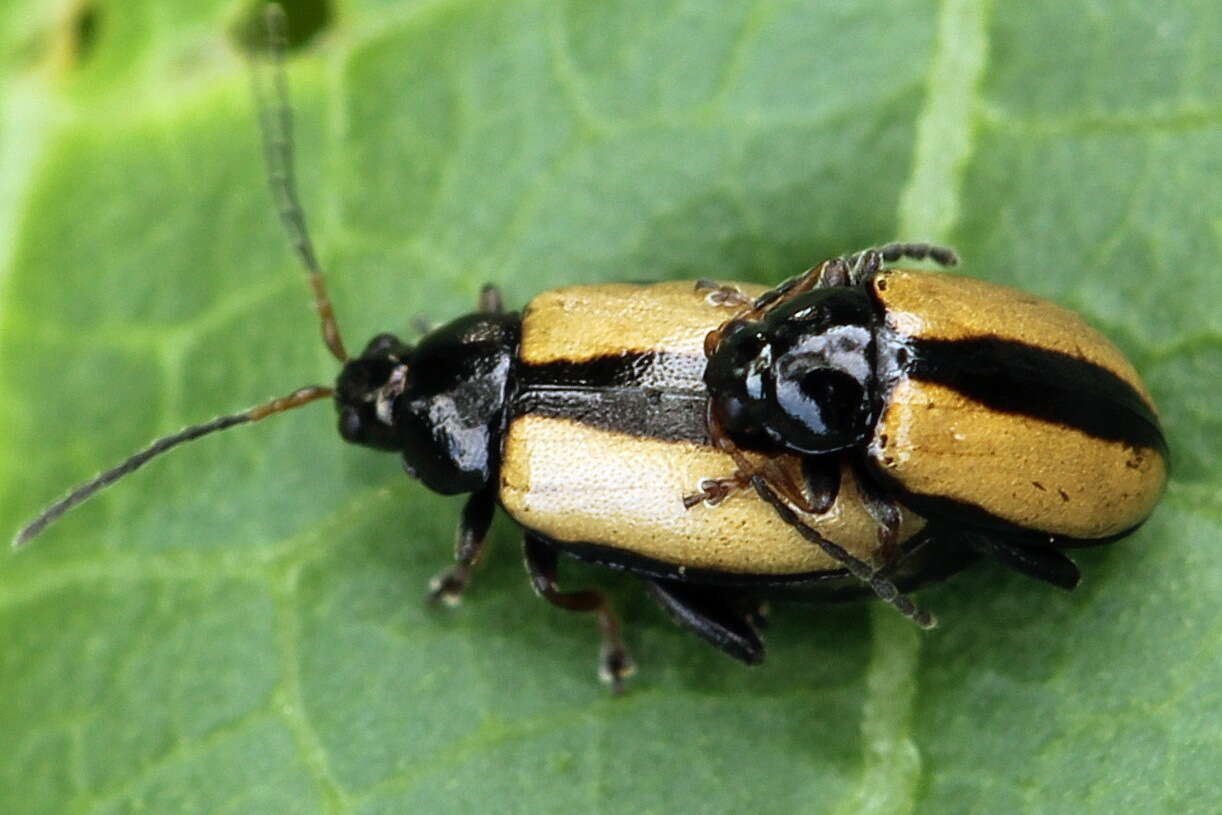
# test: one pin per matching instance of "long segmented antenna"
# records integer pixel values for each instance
(95, 485)
(276, 128)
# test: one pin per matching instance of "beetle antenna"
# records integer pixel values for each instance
(87, 490)
(884, 588)
(276, 127)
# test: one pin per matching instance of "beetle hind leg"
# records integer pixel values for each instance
(1040, 562)
(614, 663)
(715, 614)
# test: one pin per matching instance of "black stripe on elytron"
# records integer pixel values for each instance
(969, 518)
(650, 394)
(1013, 377)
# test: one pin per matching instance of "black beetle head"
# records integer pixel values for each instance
(441, 404)
(367, 389)
(802, 378)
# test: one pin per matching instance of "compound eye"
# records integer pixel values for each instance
(350, 425)
(822, 410)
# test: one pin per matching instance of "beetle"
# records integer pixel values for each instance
(857, 428)
(972, 404)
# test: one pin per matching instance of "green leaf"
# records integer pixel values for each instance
(240, 627)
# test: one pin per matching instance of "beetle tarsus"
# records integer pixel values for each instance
(720, 294)
(614, 665)
(864, 265)
(448, 586)
(713, 491)
(835, 272)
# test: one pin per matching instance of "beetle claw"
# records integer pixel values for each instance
(448, 586)
(615, 665)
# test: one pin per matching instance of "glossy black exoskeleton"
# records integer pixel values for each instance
(802, 378)
(448, 415)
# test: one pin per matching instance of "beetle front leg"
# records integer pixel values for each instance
(721, 295)
(614, 662)
(448, 586)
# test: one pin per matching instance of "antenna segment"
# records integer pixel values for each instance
(276, 128)
(163, 445)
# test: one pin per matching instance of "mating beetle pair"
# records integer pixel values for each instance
(856, 427)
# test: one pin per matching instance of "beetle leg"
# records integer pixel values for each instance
(835, 272)
(812, 490)
(849, 270)
(815, 497)
(884, 510)
(448, 586)
(614, 662)
(821, 478)
(721, 295)
(765, 302)
(791, 288)
(883, 587)
(715, 614)
(1040, 562)
(816, 277)
(713, 491)
(864, 265)
(773, 296)
(490, 301)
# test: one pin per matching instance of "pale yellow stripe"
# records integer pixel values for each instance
(583, 322)
(580, 484)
